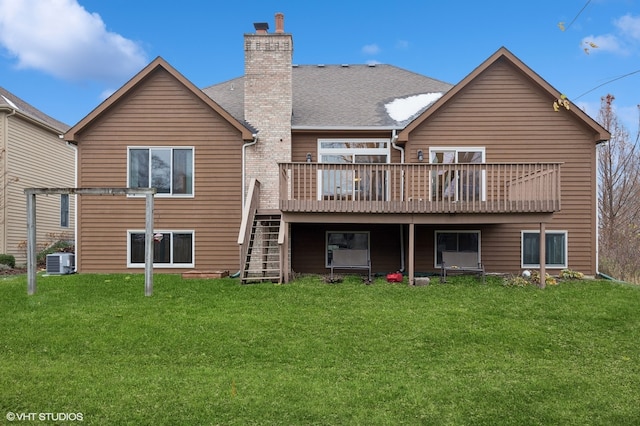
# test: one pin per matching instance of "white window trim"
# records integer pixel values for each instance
(547, 232)
(361, 151)
(163, 265)
(351, 151)
(172, 147)
(454, 231)
(326, 242)
(457, 149)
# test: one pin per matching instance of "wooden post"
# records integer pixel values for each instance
(148, 246)
(283, 242)
(412, 254)
(543, 256)
(31, 227)
(31, 243)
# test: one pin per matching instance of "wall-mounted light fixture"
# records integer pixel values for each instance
(420, 155)
(308, 157)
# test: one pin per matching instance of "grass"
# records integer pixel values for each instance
(216, 352)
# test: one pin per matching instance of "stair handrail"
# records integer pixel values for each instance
(284, 263)
(248, 215)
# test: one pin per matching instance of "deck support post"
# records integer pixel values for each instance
(31, 243)
(543, 256)
(148, 246)
(412, 253)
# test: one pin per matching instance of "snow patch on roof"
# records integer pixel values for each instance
(8, 101)
(405, 108)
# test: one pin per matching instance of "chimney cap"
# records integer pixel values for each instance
(279, 23)
(261, 26)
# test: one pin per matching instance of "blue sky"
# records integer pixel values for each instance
(65, 56)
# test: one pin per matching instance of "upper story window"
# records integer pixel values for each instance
(345, 182)
(169, 170)
(457, 183)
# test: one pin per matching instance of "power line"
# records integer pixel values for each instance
(579, 13)
(607, 82)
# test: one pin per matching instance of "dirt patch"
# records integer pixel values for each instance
(12, 271)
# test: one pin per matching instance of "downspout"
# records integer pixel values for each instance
(394, 138)
(244, 154)
(5, 163)
(75, 203)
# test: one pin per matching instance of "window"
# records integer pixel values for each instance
(64, 210)
(555, 249)
(456, 241)
(337, 240)
(170, 248)
(353, 183)
(464, 183)
(169, 170)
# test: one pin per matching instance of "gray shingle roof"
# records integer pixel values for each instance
(9, 100)
(341, 96)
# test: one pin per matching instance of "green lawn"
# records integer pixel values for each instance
(216, 352)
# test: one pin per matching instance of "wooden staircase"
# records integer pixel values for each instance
(262, 261)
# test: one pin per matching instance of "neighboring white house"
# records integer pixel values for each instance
(33, 155)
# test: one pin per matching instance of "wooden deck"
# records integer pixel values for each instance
(505, 188)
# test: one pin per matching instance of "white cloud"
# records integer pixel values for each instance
(371, 49)
(629, 26)
(405, 108)
(105, 94)
(61, 38)
(604, 43)
(402, 45)
(625, 41)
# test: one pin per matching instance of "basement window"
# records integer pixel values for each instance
(555, 249)
(461, 241)
(170, 249)
(338, 240)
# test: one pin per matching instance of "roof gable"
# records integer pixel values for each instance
(600, 133)
(139, 79)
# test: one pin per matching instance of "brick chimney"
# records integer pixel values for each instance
(268, 105)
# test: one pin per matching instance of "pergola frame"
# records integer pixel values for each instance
(31, 227)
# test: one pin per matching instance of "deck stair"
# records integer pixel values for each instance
(262, 261)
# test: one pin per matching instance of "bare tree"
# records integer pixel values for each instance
(619, 198)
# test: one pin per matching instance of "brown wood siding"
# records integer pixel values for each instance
(160, 112)
(36, 158)
(515, 121)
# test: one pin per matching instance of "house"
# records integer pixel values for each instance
(33, 154)
(275, 171)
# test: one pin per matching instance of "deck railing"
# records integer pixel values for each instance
(420, 188)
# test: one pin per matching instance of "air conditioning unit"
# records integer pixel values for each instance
(60, 263)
